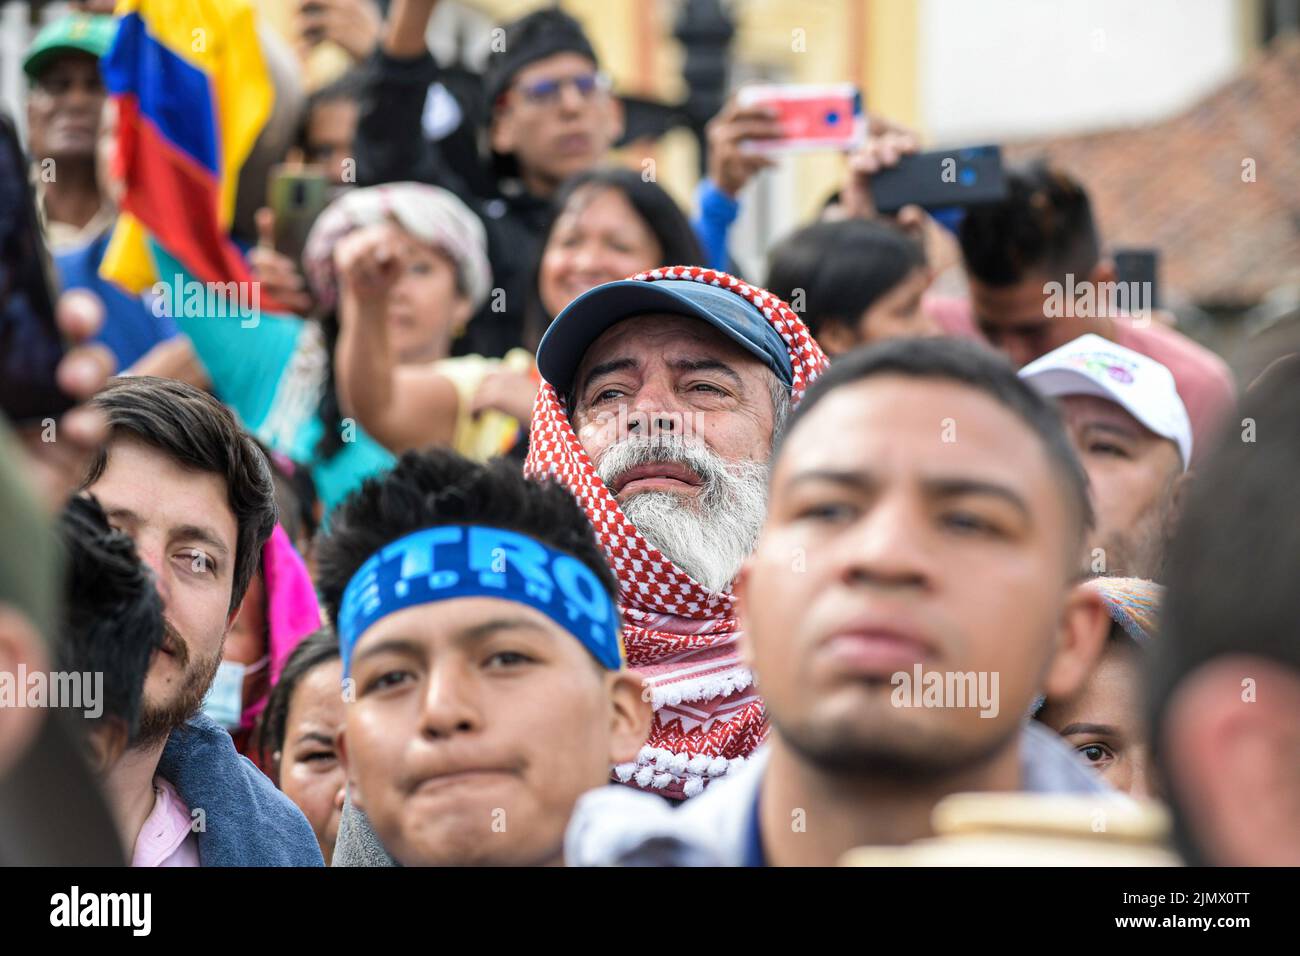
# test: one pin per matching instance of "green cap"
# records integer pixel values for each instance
(89, 33)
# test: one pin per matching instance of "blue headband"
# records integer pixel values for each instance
(453, 561)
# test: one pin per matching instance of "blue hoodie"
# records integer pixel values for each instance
(247, 821)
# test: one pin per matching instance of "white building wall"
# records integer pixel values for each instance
(994, 70)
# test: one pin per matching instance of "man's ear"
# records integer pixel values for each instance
(20, 646)
(1083, 629)
(501, 131)
(630, 713)
(232, 617)
(1230, 738)
(740, 583)
(1178, 495)
(615, 118)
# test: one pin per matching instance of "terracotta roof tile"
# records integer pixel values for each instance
(1177, 184)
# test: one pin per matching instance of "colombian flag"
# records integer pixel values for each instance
(192, 94)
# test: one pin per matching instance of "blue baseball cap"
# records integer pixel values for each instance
(590, 314)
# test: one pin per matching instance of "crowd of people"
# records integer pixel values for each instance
(531, 532)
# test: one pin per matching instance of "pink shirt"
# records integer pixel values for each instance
(165, 839)
(1204, 382)
(952, 315)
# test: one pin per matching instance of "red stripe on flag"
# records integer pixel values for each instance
(177, 200)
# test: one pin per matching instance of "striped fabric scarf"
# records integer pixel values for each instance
(680, 637)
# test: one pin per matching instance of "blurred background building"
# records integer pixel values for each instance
(1161, 107)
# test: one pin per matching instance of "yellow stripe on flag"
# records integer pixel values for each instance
(127, 263)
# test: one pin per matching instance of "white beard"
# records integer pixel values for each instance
(708, 536)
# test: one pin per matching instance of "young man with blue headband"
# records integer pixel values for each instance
(483, 666)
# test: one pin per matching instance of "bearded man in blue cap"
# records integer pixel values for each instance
(663, 395)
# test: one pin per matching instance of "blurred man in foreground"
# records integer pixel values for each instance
(1224, 680)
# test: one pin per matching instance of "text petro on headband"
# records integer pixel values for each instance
(452, 561)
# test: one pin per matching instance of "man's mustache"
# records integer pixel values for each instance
(627, 454)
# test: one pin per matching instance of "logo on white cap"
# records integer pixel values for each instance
(1092, 365)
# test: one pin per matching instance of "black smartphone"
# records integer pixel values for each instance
(296, 194)
(945, 177)
(30, 344)
(1139, 266)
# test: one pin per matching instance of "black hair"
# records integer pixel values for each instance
(842, 268)
(197, 431)
(319, 647)
(347, 88)
(112, 614)
(1044, 227)
(968, 363)
(532, 37)
(1231, 567)
(439, 487)
(678, 243)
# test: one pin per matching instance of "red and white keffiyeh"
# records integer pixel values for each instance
(680, 637)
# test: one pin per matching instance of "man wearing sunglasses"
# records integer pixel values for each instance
(555, 117)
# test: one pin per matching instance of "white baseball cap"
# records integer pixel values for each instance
(1092, 365)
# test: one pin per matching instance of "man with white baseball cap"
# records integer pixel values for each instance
(1131, 431)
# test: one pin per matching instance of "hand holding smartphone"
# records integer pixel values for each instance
(944, 177)
(811, 117)
(296, 194)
